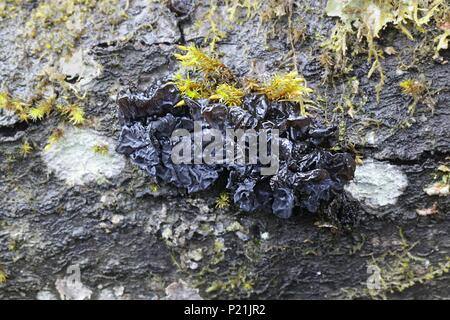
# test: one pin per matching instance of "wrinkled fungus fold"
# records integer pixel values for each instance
(310, 175)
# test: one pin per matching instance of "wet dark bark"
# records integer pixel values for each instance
(57, 226)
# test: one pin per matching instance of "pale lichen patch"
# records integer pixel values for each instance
(80, 66)
(72, 158)
(377, 184)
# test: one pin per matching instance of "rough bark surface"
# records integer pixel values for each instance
(132, 243)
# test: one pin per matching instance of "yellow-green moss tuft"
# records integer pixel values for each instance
(190, 88)
(101, 149)
(223, 201)
(212, 68)
(228, 95)
(55, 136)
(288, 87)
(3, 276)
(25, 148)
(74, 113)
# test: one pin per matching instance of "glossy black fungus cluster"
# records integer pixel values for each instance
(309, 176)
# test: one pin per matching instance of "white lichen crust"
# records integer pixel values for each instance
(74, 160)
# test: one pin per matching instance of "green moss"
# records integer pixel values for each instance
(42, 104)
(101, 149)
(4, 100)
(274, 13)
(210, 67)
(10, 8)
(52, 30)
(223, 201)
(54, 137)
(42, 109)
(214, 77)
(8, 162)
(443, 173)
(154, 188)
(239, 283)
(214, 34)
(348, 104)
(288, 87)
(397, 270)
(12, 245)
(3, 276)
(190, 88)
(419, 91)
(334, 58)
(238, 8)
(361, 22)
(25, 148)
(220, 18)
(74, 113)
(22, 109)
(228, 95)
(217, 277)
(218, 252)
(57, 26)
(441, 184)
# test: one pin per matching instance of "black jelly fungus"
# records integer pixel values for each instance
(309, 177)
